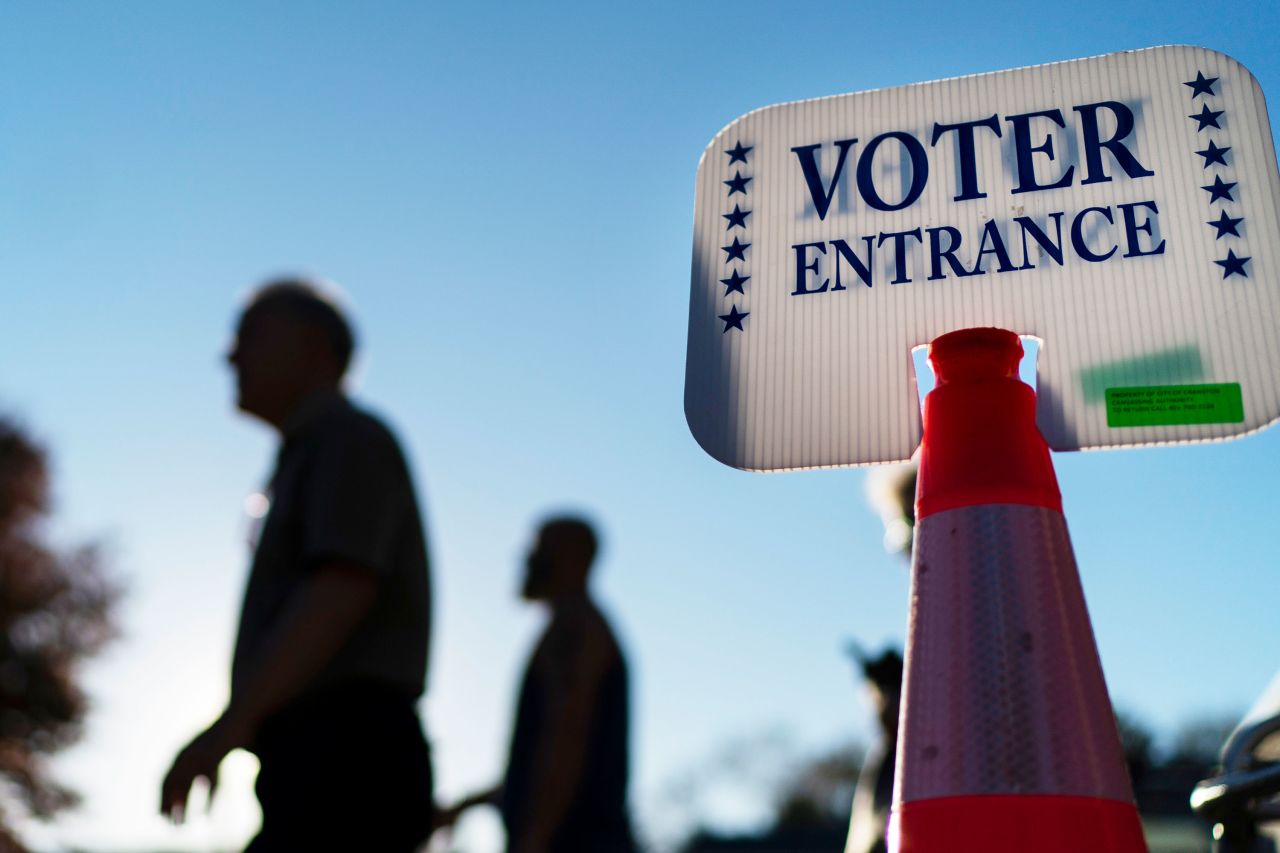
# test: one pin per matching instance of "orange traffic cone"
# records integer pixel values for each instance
(1007, 739)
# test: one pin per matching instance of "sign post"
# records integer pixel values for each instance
(1122, 210)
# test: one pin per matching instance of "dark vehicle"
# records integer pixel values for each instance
(1245, 796)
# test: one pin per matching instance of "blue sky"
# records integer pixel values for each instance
(505, 193)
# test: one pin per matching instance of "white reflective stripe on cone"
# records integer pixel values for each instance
(1004, 692)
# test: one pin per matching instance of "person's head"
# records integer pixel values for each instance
(560, 560)
(891, 491)
(291, 341)
(884, 677)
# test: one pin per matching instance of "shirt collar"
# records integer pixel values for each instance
(310, 409)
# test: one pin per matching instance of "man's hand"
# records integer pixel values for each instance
(317, 621)
(198, 760)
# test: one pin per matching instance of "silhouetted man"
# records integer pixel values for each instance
(331, 652)
(891, 490)
(565, 789)
(873, 796)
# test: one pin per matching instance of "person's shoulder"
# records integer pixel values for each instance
(610, 637)
(355, 420)
(581, 625)
(362, 417)
(349, 427)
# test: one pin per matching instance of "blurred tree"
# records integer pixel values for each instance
(1193, 756)
(1163, 778)
(1199, 740)
(811, 808)
(1138, 743)
(819, 791)
(55, 610)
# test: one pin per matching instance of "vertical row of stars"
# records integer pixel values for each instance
(1219, 190)
(737, 250)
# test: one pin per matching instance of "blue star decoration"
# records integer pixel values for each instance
(738, 184)
(736, 251)
(733, 320)
(735, 282)
(1207, 117)
(1220, 189)
(737, 218)
(1225, 225)
(1232, 265)
(1201, 85)
(1214, 154)
(738, 153)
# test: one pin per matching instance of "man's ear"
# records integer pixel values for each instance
(320, 355)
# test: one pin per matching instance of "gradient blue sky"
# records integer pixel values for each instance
(505, 193)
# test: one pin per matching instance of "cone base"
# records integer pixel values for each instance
(1016, 823)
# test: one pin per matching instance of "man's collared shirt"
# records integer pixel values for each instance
(341, 491)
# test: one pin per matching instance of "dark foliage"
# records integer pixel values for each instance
(812, 810)
(812, 803)
(55, 610)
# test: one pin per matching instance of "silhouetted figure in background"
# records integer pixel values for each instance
(873, 796)
(891, 491)
(565, 789)
(331, 652)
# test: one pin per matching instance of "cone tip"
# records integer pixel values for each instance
(975, 354)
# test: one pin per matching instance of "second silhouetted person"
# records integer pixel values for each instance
(565, 789)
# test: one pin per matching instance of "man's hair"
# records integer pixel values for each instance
(577, 530)
(308, 302)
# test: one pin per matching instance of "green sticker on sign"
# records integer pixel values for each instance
(1171, 405)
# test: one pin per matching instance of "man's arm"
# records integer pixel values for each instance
(579, 654)
(316, 623)
(445, 817)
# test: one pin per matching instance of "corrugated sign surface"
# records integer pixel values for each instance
(1123, 209)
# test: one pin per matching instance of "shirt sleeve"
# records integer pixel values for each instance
(354, 499)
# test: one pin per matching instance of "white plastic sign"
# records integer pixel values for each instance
(1122, 209)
